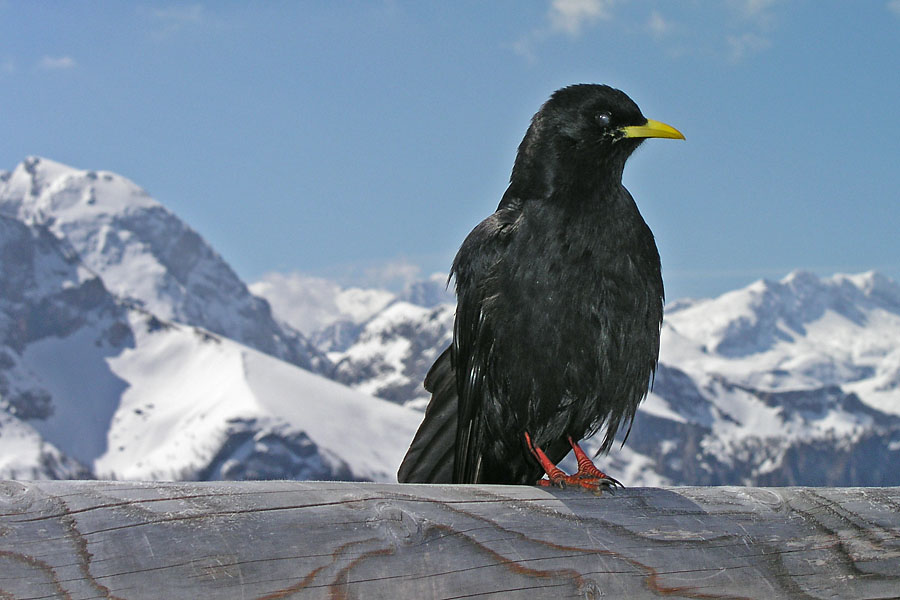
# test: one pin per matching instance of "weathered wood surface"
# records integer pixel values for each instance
(271, 540)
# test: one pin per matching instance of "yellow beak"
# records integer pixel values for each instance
(652, 129)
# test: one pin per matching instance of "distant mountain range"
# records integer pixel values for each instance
(130, 349)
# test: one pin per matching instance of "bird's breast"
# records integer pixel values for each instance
(575, 312)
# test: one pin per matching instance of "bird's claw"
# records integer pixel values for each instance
(593, 484)
(587, 468)
(588, 477)
(605, 481)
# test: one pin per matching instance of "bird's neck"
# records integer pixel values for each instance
(575, 188)
(560, 174)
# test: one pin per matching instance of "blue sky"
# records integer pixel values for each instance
(365, 139)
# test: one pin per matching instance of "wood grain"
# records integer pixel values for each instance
(272, 540)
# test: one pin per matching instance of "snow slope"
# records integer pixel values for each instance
(199, 406)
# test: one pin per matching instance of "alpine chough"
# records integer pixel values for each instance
(560, 303)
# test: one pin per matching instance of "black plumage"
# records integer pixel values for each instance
(560, 302)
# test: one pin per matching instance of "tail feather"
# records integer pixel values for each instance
(431, 454)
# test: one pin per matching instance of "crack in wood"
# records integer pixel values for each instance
(306, 582)
(842, 552)
(42, 566)
(82, 552)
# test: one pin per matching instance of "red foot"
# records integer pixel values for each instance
(588, 476)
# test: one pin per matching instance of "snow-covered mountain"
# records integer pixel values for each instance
(779, 383)
(394, 350)
(130, 349)
(43, 292)
(801, 333)
(199, 406)
(95, 383)
(146, 255)
(380, 342)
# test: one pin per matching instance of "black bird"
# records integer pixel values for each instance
(560, 302)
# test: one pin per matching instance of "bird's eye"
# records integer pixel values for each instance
(602, 119)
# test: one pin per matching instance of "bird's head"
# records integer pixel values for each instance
(584, 134)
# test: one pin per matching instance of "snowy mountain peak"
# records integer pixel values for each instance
(146, 255)
(756, 318)
(879, 289)
(39, 189)
(870, 289)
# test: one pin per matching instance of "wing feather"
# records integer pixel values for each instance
(473, 342)
(430, 456)
(450, 443)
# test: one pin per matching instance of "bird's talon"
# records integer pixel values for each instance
(588, 477)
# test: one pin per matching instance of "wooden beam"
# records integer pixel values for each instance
(277, 539)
